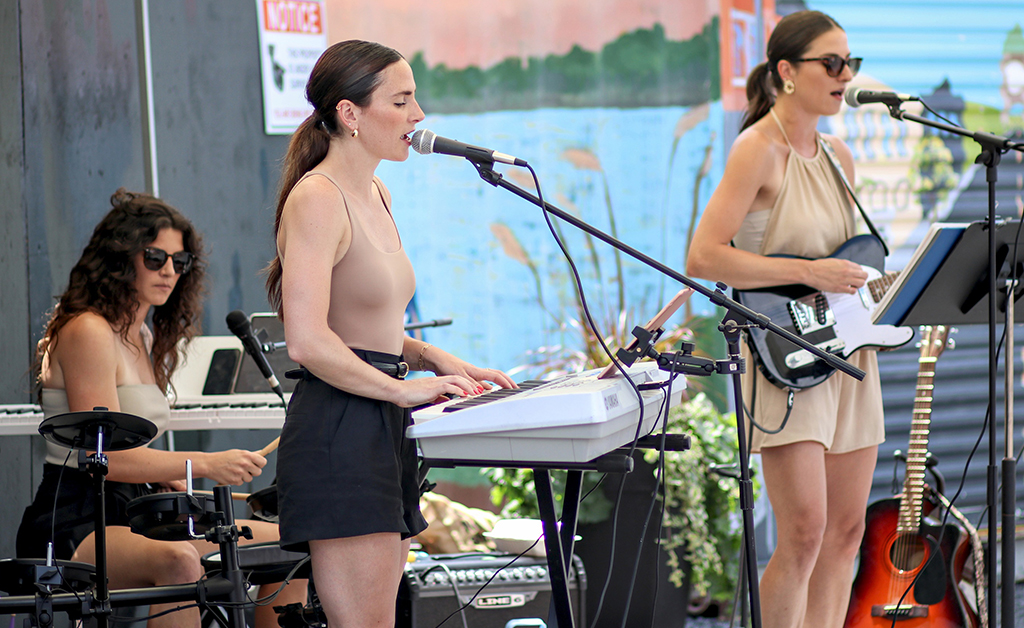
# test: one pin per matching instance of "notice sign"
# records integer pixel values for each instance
(292, 37)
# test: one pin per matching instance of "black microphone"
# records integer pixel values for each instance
(426, 142)
(239, 325)
(856, 97)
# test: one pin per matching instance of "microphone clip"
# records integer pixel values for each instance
(894, 110)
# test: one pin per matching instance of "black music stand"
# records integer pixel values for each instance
(992, 148)
(951, 286)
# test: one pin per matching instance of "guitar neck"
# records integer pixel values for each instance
(917, 452)
(878, 287)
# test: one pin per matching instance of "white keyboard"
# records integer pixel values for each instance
(575, 418)
(21, 420)
(191, 410)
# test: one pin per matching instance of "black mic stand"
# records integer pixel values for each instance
(730, 328)
(992, 148)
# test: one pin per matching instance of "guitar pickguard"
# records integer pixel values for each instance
(811, 313)
(835, 323)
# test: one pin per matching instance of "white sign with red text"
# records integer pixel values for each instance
(293, 35)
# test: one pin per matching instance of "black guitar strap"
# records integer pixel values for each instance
(842, 175)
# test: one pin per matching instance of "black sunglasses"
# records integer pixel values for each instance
(154, 259)
(834, 64)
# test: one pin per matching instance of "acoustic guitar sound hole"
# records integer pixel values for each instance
(907, 552)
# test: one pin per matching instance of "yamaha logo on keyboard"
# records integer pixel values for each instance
(611, 401)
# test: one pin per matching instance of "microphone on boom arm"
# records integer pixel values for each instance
(425, 142)
(856, 97)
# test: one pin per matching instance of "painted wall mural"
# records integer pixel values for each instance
(624, 109)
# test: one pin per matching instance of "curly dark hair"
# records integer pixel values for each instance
(103, 280)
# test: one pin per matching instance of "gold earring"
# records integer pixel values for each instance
(355, 132)
(788, 86)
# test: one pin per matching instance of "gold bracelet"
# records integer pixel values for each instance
(423, 350)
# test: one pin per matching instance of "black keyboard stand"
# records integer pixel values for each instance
(559, 543)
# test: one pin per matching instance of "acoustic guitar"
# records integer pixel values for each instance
(834, 322)
(910, 566)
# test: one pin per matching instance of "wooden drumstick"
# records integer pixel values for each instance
(269, 448)
(263, 452)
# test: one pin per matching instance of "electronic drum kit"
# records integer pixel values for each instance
(40, 587)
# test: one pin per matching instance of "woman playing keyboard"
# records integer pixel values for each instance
(346, 475)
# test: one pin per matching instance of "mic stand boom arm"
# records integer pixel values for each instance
(992, 148)
(718, 297)
(739, 316)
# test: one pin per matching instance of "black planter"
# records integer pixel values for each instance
(654, 597)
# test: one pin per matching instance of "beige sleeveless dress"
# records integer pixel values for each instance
(811, 217)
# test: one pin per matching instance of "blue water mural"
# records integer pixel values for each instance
(487, 259)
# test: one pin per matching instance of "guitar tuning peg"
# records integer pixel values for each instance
(951, 344)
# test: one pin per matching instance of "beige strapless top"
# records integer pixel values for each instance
(142, 400)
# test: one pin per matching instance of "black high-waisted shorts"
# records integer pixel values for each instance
(75, 511)
(345, 467)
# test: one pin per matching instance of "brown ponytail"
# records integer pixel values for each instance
(760, 96)
(307, 148)
(349, 70)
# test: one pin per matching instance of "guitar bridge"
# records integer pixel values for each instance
(811, 313)
(904, 611)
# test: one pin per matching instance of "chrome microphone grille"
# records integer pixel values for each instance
(423, 141)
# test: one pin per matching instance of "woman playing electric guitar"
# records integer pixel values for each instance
(780, 194)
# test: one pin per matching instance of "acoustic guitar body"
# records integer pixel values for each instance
(889, 562)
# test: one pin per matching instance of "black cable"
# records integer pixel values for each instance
(753, 398)
(53, 527)
(125, 618)
(654, 496)
(937, 114)
(267, 599)
(611, 556)
(451, 578)
(618, 365)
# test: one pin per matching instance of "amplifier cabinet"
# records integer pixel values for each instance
(435, 586)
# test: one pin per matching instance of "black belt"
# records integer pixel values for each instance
(386, 363)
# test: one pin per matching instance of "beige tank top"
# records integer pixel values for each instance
(142, 400)
(370, 289)
(811, 216)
